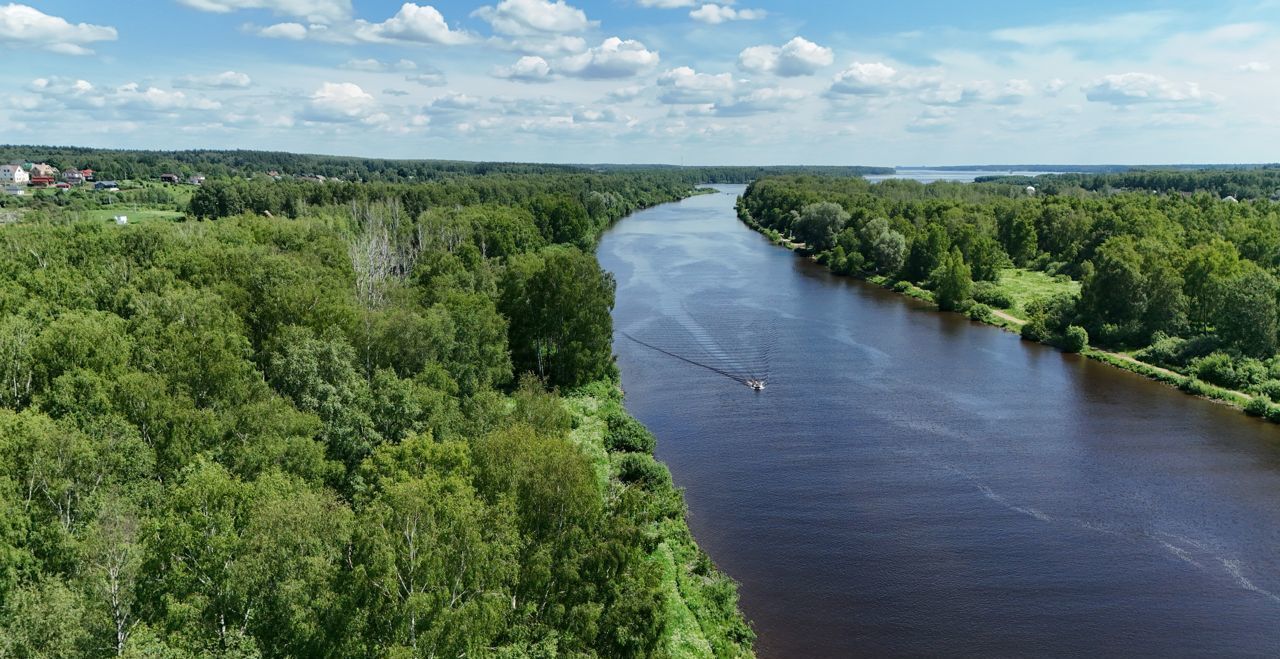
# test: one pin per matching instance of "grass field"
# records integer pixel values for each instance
(1028, 285)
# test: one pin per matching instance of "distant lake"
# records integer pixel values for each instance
(959, 175)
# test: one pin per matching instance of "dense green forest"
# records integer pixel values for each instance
(132, 165)
(1181, 280)
(384, 421)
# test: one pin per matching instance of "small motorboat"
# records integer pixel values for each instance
(757, 385)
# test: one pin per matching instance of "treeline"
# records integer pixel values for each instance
(1193, 277)
(1261, 182)
(135, 165)
(312, 437)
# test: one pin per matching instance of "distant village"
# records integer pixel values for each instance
(17, 178)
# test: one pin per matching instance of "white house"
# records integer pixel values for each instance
(43, 169)
(13, 175)
(73, 176)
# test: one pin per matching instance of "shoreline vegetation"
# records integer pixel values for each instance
(374, 414)
(1018, 298)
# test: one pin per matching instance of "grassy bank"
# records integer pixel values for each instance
(700, 604)
(1021, 287)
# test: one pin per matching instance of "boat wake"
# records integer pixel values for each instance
(735, 348)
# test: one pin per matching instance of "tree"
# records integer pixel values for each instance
(952, 282)
(559, 305)
(887, 247)
(1209, 269)
(1114, 292)
(818, 225)
(1016, 230)
(1247, 319)
(928, 251)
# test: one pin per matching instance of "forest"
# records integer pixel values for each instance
(383, 421)
(1174, 276)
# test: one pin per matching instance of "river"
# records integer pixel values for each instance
(912, 483)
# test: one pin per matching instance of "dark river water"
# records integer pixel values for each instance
(911, 483)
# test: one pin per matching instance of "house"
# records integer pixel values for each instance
(15, 190)
(63, 186)
(44, 170)
(73, 176)
(87, 174)
(13, 175)
(196, 180)
(169, 178)
(41, 182)
(106, 185)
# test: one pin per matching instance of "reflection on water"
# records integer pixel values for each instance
(914, 484)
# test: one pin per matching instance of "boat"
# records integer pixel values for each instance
(757, 385)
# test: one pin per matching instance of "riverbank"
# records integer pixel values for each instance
(1251, 405)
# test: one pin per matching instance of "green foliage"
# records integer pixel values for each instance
(992, 294)
(627, 435)
(818, 225)
(1075, 339)
(1259, 406)
(980, 312)
(952, 283)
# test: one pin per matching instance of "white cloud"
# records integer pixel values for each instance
(549, 45)
(1254, 67)
(866, 79)
(375, 66)
(454, 101)
(290, 31)
(429, 77)
(1123, 89)
(1054, 87)
(758, 101)
(628, 93)
(533, 17)
(684, 86)
(717, 14)
(932, 120)
(529, 68)
(135, 96)
(413, 23)
(315, 11)
(1011, 92)
(27, 27)
(668, 4)
(798, 57)
(341, 102)
(613, 58)
(83, 95)
(224, 80)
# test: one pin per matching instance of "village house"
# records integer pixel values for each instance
(44, 170)
(72, 176)
(106, 185)
(196, 180)
(13, 175)
(169, 178)
(41, 182)
(87, 174)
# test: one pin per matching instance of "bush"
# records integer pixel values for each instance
(1034, 331)
(992, 295)
(626, 435)
(1250, 372)
(643, 470)
(1217, 368)
(1075, 339)
(1269, 389)
(1273, 414)
(980, 312)
(1164, 350)
(1257, 407)
(902, 286)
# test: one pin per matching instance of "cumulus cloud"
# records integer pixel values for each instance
(716, 14)
(415, 24)
(866, 79)
(1011, 92)
(1113, 29)
(533, 17)
(315, 11)
(290, 31)
(1254, 67)
(623, 94)
(77, 94)
(224, 80)
(430, 76)
(932, 120)
(454, 101)
(668, 4)
(684, 85)
(549, 45)
(758, 101)
(341, 102)
(529, 68)
(27, 27)
(613, 58)
(798, 57)
(1122, 89)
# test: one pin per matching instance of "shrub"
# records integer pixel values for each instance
(626, 435)
(1075, 339)
(1269, 389)
(1250, 372)
(992, 295)
(980, 312)
(1273, 414)
(1164, 350)
(902, 286)
(1257, 407)
(1194, 386)
(1034, 331)
(643, 470)
(1217, 368)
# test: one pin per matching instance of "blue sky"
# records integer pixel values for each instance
(732, 82)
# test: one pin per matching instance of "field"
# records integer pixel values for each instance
(1028, 285)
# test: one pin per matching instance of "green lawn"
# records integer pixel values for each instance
(1028, 285)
